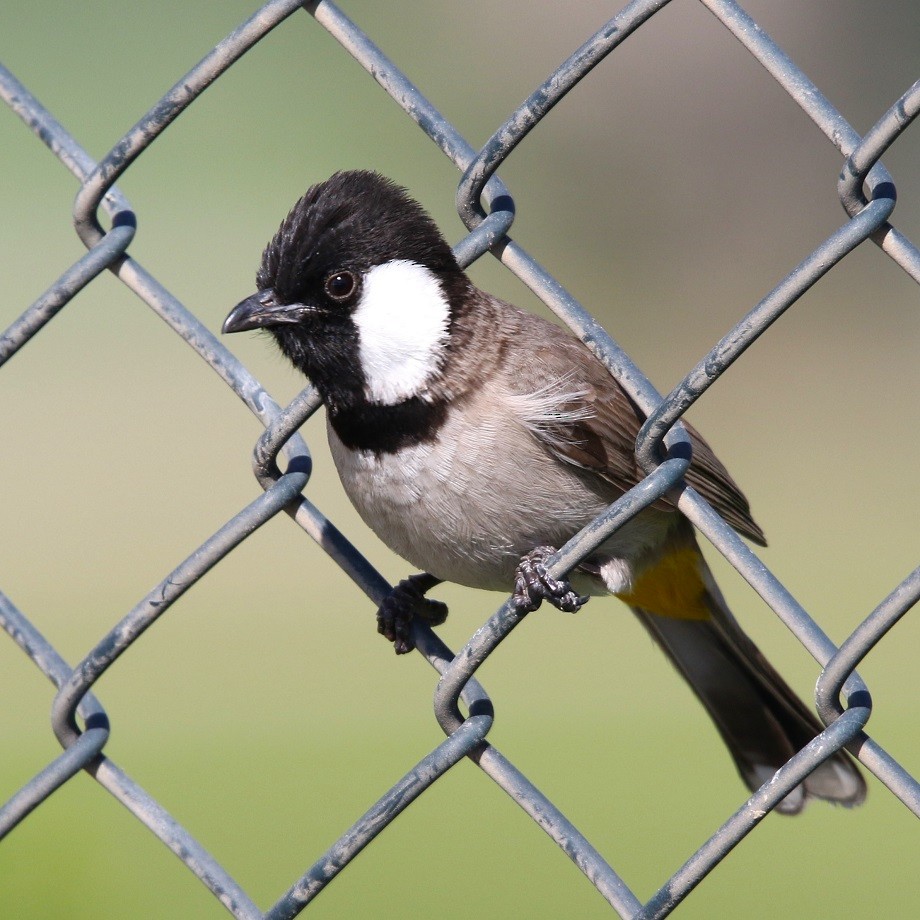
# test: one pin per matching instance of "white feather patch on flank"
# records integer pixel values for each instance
(546, 411)
(402, 320)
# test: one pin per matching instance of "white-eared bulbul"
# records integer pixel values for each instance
(473, 438)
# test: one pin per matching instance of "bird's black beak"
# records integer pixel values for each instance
(261, 310)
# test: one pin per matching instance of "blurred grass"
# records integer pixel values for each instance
(262, 711)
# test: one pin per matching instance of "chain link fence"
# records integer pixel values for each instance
(283, 466)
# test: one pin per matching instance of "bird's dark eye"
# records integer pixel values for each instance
(340, 285)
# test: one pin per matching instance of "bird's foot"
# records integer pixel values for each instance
(533, 584)
(403, 604)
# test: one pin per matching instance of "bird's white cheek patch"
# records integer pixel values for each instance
(402, 320)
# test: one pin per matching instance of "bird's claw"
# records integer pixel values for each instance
(533, 584)
(405, 603)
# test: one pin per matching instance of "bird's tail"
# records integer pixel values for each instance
(759, 716)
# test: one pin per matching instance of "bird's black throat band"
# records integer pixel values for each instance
(388, 429)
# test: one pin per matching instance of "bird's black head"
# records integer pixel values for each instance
(358, 220)
(360, 289)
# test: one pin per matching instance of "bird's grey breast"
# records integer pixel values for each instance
(467, 503)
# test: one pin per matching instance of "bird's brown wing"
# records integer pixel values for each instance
(597, 424)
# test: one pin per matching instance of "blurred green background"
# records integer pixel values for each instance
(669, 193)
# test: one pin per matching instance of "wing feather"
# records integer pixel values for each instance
(583, 417)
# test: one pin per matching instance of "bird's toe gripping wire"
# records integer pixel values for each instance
(533, 584)
(405, 603)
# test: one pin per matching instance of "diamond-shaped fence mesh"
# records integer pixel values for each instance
(106, 224)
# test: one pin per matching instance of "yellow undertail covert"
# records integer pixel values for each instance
(673, 587)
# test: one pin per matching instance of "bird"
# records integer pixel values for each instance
(474, 439)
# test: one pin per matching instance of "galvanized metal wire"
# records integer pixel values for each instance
(282, 461)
